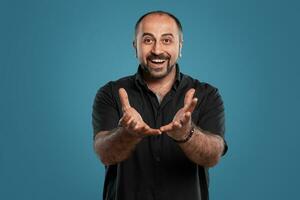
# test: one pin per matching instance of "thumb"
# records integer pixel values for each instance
(124, 99)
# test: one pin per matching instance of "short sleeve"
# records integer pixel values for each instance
(212, 117)
(105, 115)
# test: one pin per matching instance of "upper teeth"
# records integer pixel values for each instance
(158, 60)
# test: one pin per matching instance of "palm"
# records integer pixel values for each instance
(182, 119)
(131, 120)
(179, 115)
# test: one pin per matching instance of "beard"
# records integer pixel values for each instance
(157, 72)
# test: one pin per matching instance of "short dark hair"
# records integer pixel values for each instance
(160, 12)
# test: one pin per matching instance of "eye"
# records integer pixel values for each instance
(166, 40)
(148, 40)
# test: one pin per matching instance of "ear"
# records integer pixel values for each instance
(180, 47)
(134, 46)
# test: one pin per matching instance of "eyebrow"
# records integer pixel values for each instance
(163, 35)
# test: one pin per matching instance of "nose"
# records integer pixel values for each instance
(157, 48)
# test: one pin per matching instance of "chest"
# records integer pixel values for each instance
(156, 110)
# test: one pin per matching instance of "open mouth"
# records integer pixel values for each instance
(157, 61)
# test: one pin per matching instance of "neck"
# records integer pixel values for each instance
(163, 85)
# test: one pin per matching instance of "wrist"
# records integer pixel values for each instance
(187, 136)
(130, 135)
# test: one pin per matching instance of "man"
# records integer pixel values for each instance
(157, 132)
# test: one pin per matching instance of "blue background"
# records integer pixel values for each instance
(54, 55)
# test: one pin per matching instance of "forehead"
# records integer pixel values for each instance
(158, 24)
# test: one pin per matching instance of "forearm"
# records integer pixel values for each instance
(114, 146)
(203, 148)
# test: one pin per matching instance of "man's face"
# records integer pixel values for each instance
(157, 45)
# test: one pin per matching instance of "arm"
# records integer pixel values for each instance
(203, 148)
(116, 145)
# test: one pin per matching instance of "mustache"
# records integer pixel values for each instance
(159, 56)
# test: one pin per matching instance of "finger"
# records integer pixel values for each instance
(186, 118)
(188, 97)
(151, 131)
(143, 128)
(176, 125)
(127, 116)
(123, 121)
(146, 130)
(124, 99)
(167, 127)
(120, 123)
(129, 121)
(137, 128)
(132, 124)
(191, 107)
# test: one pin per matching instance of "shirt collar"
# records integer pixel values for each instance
(140, 80)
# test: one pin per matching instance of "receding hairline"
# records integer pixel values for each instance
(160, 13)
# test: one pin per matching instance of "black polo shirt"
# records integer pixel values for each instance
(157, 168)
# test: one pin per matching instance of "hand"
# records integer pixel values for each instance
(131, 120)
(182, 121)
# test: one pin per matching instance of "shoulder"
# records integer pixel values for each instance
(199, 86)
(114, 85)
